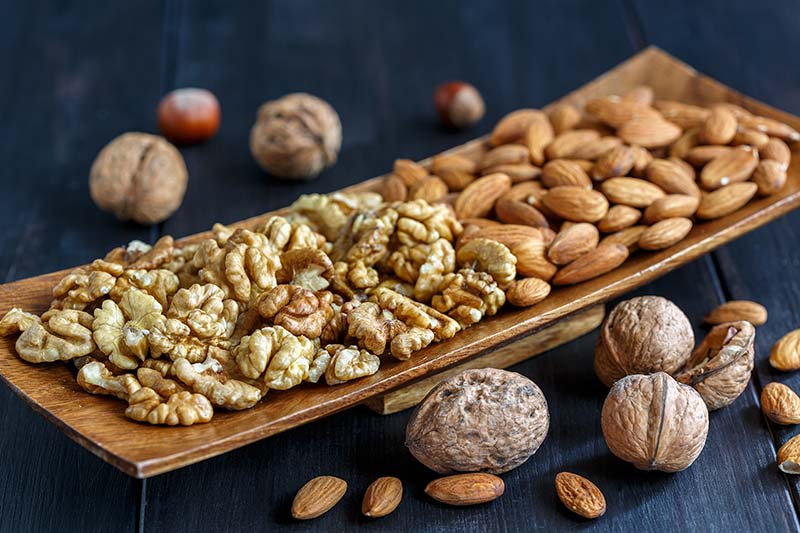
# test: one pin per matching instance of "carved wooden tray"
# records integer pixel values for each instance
(98, 423)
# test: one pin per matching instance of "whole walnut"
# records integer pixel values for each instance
(139, 177)
(642, 335)
(655, 422)
(296, 136)
(483, 420)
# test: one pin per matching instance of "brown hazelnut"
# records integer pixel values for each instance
(296, 136)
(483, 420)
(139, 177)
(188, 116)
(642, 335)
(458, 104)
(654, 422)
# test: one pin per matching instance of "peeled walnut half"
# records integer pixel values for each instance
(720, 367)
(348, 363)
(377, 329)
(95, 378)
(161, 284)
(59, 335)
(86, 285)
(309, 268)
(209, 379)
(415, 314)
(467, 296)
(420, 222)
(299, 310)
(182, 408)
(273, 354)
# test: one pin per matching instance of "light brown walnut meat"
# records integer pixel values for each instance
(154, 379)
(490, 256)
(95, 378)
(415, 314)
(334, 331)
(299, 310)
(422, 223)
(720, 367)
(140, 255)
(483, 420)
(377, 329)
(307, 267)
(59, 335)
(642, 335)
(182, 408)
(17, 320)
(285, 235)
(121, 331)
(86, 285)
(160, 284)
(348, 363)
(467, 296)
(273, 354)
(328, 213)
(209, 379)
(397, 285)
(654, 422)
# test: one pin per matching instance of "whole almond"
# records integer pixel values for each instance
(564, 118)
(599, 261)
(565, 144)
(580, 495)
(518, 172)
(776, 150)
(596, 148)
(317, 497)
(466, 489)
(665, 233)
(382, 497)
(619, 217)
(430, 189)
(479, 222)
(736, 310)
(642, 94)
(771, 127)
(726, 200)
(537, 137)
(577, 204)
(573, 242)
(785, 354)
(518, 212)
(456, 180)
(409, 171)
(780, 404)
(719, 127)
(522, 191)
(564, 172)
(750, 137)
(507, 234)
(513, 126)
(700, 155)
(672, 205)
(770, 176)
(737, 110)
(477, 199)
(628, 237)
(615, 111)
(789, 456)
(641, 160)
(672, 177)
(527, 291)
(684, 115)
(616, 162)
(633, 192)
(685, 142)
(732, 167)
(452, 162)
(649, 131)
(507, 154)
(394, 189)
(531, 260)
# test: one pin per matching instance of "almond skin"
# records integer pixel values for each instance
(577, 204)
(507, 234)
(665, 233)
(580, 495)
(776, 150)
(456, 180)
(564, 172)
(602, 259)
(513, 126)
(672, 177)
(633, 192)
(573, 242)
(466, 489)
(726, 200)
(522, 191)
(650, 132)
(735, 166)
(531, 260)
(615, 111)
(785, 355)
(430, 189)
(565, 144)
(736, 310)
(700, 155)
(719, 127)
(750, 137)
(619, 217)
(672, 205)
(477, 200)
(641, 160)
(616, 162)
(789, 456)
(780, 404)
(628, 237)
(507, 154)
(527, 291)
(686, 142)
(684, 115)
(409, 171)
(317, 497)
(596, 148)
(539, 135)
(517, 212)
(564, 117)
(771, 127)
(394, 189)
(382, 497)
(770, 176)
(461, 163)
(518, 172)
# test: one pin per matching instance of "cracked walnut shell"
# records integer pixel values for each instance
(481, 420)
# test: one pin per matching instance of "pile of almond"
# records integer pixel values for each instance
(573, 193)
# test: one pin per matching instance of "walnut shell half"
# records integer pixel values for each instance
(655, 422)
(483, 420)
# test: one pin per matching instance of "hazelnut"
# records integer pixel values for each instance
(485, 420)
(640, 336)
(296, 136)
(139, 177)
(188, 116)
(654, 422)
(458, 104)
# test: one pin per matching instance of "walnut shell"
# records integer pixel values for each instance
(640, 336)
(296, 136)
(139, 177)
(655, 422)
(483, 420)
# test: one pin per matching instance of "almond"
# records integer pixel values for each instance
(513, 126)
(382, 497)
(596, 148)
(599, 261)
(770, 176)
(479, 222)
(564, 172)
(633, 192)
(628, 237)
(517, 212)
(517, 171)
(672, 205)
(527, 291)
(750, 137)
(577, 204)
(665, 233)
(619, 217)
(456, 180)
(789, 456)
(457, 162)
(684, 115)
(539, 135)
(737, 110)
(776, 150)
(615, 111)
(573, 242)
(477, 199)
(686, 142)
(649, 131)
(735, 166)
(616, 162)
(580, 495)
(780, 404)
(641, 94)
(531, 261)
(564, 118)
(507, 234)
(507, 154)
(394, 189)
(641, 160)
(409, 171)
(785, 355)
(672, 177)
(726, 200)
(317, 497)
(448, 199)
(700, 155)
(736, 310)
(430, 189)
(719, 127)
(548, 235)
(521, 191)
(466, 489)
(565, 144)
(771, 127)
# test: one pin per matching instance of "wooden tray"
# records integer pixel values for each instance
(98, 423)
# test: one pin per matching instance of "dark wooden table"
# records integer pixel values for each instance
(74, 75)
